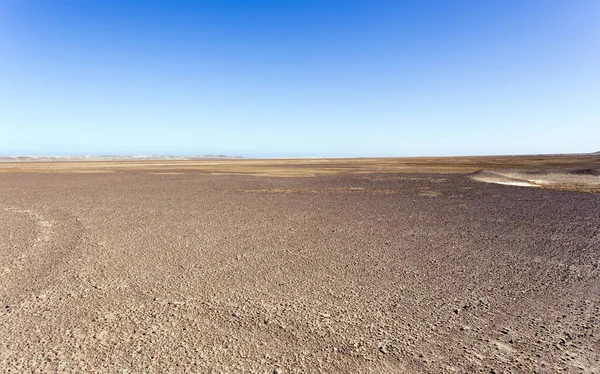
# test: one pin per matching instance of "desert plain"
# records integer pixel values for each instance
(421, 265)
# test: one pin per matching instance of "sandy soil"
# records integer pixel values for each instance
(182, 271)
(585, 180)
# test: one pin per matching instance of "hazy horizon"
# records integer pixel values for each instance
(272, 157)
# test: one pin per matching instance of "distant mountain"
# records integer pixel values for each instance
(596, 153)
(111, 158)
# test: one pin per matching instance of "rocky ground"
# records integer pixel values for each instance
(383, 273)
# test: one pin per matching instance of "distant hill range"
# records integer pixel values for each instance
(596, 153)
(112, 158)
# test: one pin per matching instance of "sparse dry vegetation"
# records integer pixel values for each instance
(316, 167)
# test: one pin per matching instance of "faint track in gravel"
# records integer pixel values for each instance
(28, 267)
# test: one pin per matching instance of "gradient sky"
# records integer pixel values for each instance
(299, 78)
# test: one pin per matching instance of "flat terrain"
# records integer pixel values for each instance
(314, 166)
(284, 266)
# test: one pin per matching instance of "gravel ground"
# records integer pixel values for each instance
(159, 273)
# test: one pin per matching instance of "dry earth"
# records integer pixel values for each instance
(362, 268)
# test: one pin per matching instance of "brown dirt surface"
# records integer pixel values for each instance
(360, 268)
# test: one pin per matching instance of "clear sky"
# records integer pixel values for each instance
(284, 78)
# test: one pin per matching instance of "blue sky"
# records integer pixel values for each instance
(287, 78)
